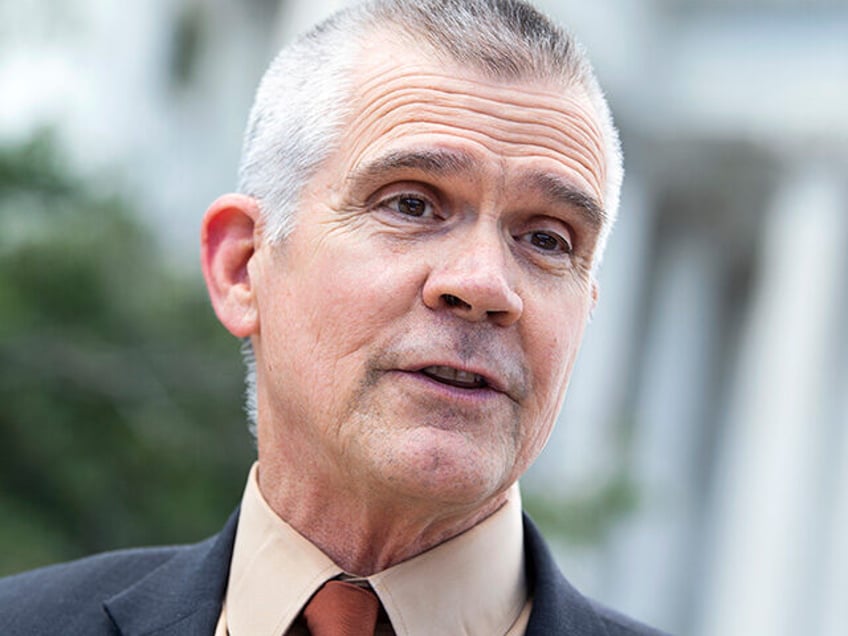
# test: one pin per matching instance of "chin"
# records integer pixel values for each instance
(448, 468)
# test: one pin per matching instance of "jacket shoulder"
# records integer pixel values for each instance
(558, 608)
(68, 598)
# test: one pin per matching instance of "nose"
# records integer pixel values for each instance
(473, 281)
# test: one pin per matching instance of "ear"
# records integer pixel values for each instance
(227, 243)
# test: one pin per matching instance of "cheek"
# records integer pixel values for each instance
(552, 362)
(348, 299)
(555, 349)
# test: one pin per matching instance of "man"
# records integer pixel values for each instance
(426, 191)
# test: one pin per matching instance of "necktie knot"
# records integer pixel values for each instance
(342, 609)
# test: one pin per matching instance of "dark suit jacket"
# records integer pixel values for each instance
(178, 591)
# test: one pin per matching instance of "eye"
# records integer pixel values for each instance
(547, 241)
(410, 205)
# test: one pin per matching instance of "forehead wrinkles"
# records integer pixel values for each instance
(501, 118)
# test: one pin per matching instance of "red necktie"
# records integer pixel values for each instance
(342, 609)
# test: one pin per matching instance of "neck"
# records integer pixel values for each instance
(363, 533)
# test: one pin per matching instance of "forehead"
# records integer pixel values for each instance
(405, 98)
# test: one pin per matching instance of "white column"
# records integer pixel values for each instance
(834, 607)
(767, 518)
(651, 569)
(834, 586)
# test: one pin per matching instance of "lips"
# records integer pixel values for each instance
(455, 377)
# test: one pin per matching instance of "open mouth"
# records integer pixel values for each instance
(455, 377)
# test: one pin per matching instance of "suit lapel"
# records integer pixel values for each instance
(557, 607)
(182, 596)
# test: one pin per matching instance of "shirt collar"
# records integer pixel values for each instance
(472, 584)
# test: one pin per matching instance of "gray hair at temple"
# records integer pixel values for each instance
(301, 104)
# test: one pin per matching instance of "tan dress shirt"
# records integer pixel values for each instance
(471, 584)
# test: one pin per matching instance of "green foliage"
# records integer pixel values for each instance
(583, 520)
(120, 395)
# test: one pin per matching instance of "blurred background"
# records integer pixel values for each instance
(698, 478)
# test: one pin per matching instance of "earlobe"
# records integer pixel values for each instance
(227, 243)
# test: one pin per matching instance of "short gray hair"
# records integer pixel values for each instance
(301, 103)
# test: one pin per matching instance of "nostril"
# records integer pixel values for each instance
(455, 301)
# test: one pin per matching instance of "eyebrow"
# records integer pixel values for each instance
(563, 192)
(436, 161)
(442, 162)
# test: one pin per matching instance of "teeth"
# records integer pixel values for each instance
(455, 377)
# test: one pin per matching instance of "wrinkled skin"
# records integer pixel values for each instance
(415, 334)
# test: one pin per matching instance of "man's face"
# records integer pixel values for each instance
(419, 326)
